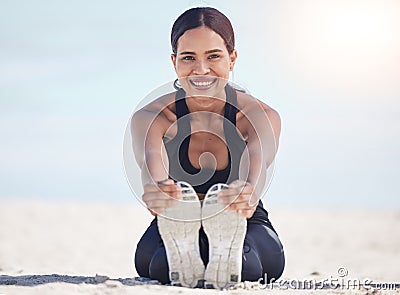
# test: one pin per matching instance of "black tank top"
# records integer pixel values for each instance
(180, 167)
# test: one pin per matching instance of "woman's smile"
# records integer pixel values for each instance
(202, 83)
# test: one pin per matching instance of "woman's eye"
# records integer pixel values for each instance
(213, 56)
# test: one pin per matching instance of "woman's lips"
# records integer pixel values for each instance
(202, 84)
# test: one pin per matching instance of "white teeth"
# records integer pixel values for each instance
(202, 84)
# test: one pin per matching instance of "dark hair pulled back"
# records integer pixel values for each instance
(203, 16)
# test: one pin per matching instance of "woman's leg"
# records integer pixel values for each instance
(150, 257)
(263, 254)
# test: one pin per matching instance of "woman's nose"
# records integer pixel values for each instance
(201, 67)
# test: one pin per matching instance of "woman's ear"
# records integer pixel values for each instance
(173, 59)
(233, 57)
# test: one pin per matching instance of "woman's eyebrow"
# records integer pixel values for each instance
(186, 52)
(193, 53)
(213, 51)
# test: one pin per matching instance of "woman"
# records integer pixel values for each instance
(207, 142)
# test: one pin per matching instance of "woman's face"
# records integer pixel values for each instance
(202, 62)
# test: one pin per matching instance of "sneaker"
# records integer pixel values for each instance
(179, 227)
(225, 230)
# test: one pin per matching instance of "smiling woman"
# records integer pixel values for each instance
(204, 151)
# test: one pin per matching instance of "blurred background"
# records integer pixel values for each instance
(72, 72)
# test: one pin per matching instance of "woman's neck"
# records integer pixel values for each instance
(207, 104)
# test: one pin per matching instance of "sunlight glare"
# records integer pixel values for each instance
(362, 24)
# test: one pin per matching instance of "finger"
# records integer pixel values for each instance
(157, 195)
(169, 187)
(172, 191)
(240, 206)
(154, 204)
(156, 211)
(240, 184)
(155, 185)
(147, 197)
(152, 212)
(166, 181)
(254, 200)
(150, 187)
(246, 213)
(236, 190)
(234, 198)
(237, 183)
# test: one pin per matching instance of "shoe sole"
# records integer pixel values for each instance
(225, 230)
(179, 228)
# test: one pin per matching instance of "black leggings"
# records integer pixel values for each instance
(263, 254)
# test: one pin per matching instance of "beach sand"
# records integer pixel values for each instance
(71, 248)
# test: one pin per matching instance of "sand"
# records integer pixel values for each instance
(71, 248)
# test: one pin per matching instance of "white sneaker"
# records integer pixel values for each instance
(226, 231)
(179, 228)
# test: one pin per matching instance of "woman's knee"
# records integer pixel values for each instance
(149, 243)
(158, 268)
(274, 269)
(269, 250)
(251, 266)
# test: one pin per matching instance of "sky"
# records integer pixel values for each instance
(72, 72)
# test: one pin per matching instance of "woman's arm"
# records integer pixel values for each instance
(262, 127)
(148, 129)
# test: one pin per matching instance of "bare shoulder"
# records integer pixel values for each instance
(161, 108)
(249, 105)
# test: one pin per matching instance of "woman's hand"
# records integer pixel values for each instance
(160, 196)
(239, 196)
